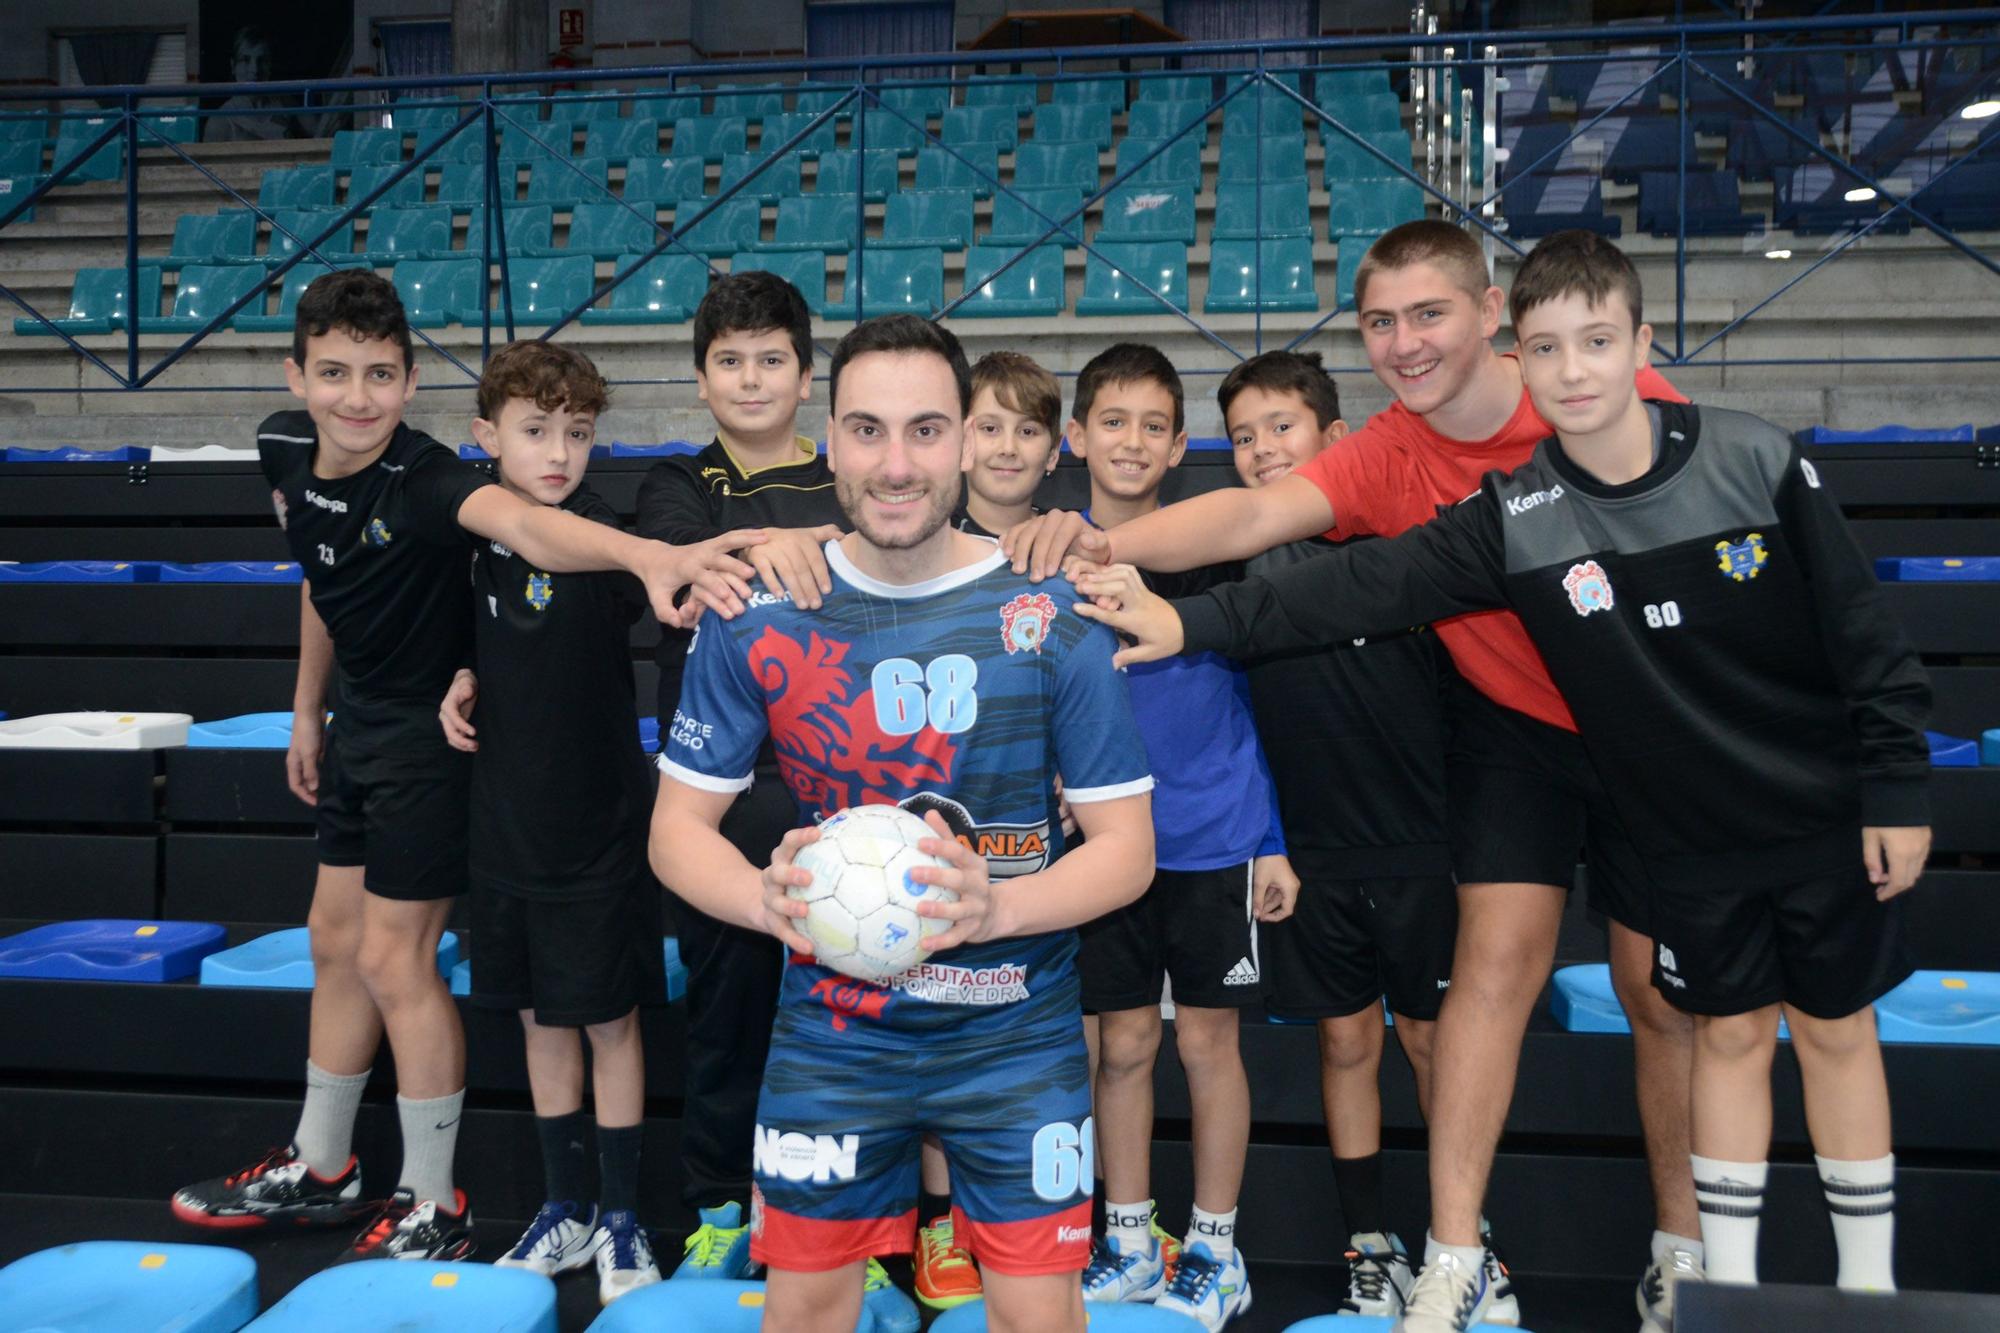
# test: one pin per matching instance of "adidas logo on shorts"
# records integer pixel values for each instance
(1243, 974)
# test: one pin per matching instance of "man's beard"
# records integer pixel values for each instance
(936, 505)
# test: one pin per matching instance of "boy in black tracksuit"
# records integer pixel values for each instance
(753, 367)
(1755, 710)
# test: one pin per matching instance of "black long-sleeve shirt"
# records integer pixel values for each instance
(1747, 696)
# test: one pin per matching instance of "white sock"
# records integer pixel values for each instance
(1215, 1230)
(1472, 1256)
(1862, 1198)
(1130, 1224)
(1731, 1198)
(1666, 1242)
(430, 1140)
(325, 1136)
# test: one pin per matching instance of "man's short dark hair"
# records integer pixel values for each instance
(754, 302)
(1573, 263)
(900, 333)
(358, 300)
(1128, 363)
(1301, 373)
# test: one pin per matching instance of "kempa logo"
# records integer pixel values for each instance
(1521, 504)
(800, 1157)
(313, 497)
(1072, 1235)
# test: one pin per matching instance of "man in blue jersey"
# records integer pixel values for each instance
(933, 677)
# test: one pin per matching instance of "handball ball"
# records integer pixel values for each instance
(862, 916)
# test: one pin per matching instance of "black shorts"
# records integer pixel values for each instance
(573, 961)
(1822, 945)
(1352, 942)
(402, 816)
(1525, 799)
(1196, 926)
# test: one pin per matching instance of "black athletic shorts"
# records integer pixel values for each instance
(573, 961)
(1197, 926)
(1525, 798)
(401, 816)
(1823, 945)
(1351, 942)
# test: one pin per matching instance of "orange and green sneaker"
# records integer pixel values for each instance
(945, 1273)
(1170, 1246)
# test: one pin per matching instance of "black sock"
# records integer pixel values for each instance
(562, 1156)
(1097, 1209)
(618, 1166)
(931, 1206)
(1358, 1181)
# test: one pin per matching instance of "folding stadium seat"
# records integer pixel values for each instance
(306, 224)
(396, 234)
(1109, 291)
(203, 292)
(666, 180)
(1285, 205)
(20, 157)
(939, 219)
(838, 172)
(462, 145)
(620, 141)
(665, 291)
(115, 1284)
(824, 222)
(1642, 144)
(536, 141)
(177, 124)
(1269, 158)
(979, 124)
(811, 100)
(405, 193)
(435, 290)
(568, 183)
(779, 180)
(1353, 249)
(227, 237)
(804, 269)
(609, 229)
(1813, 198)
(1147, 213)
(365, 148)
(415, 120)
(1347, 159)
(751, 101)
(973, 167)
(107, 163)
(1018, 216)
(1269, 275)
(595, 103)
(1070, 164)
(252, 319)
(1198, 88)
(462, 185)
(295, 187)
(544, 290)
(1031, 289)
(899, 280)
(16, 126)
(1178, 162)
(1540, 205)
(885, 131)
(99, 303)
(991, 92)
(1279, 117)
(529, 228)
(1089, 92)
(1079, 122)
(668, 108)
(1164, 120)
(1380, 111)
(922, 105)
(1714, 207)
(1758, 147)
(775, 131)
(1362, 207)
(710, 138)
(734, 224)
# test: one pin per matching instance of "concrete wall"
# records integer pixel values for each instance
(27, 41)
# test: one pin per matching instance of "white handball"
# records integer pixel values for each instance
(862, 904)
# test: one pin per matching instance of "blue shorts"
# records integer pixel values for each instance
(838, 1129)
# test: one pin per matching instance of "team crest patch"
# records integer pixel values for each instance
(378, 534)
(1589, 587)
(1025, 621)
(1742, 560)
(541, 591)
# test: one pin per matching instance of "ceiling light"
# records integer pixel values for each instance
(1980, 110)
(1777, 254)
(1860, 194)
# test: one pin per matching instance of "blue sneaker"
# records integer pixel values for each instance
(894, 1311)
(719, 1247)
(1207, 1289)
(1112, 1275)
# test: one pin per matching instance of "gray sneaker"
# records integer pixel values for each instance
(1449, 1297)
(1656, 1289)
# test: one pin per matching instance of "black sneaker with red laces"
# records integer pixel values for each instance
(279, 1187)
(406, 1229)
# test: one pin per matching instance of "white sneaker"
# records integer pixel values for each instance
(559, 1239)
(1112, 1275)
(624, 1258)
(1448, 1297)
(1656, 1289)
(1210, 1291)
(1378, 1275)
(1501, 1307)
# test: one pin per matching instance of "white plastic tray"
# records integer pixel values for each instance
(95, 731)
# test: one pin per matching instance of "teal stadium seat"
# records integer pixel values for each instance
(1148, 213)
(1080, 122)
(922, 104)
(17, 126)
(1088, 92)
(557, 185)
(463, 184)
(622, 141)
(1285, 205)
(1031, 289)
(1348, 160)
(779, 180)
(1272, 158)
(13, 188)
(1352, 250)
(365, 148)
(424, 124)
(295, 187)
(879, 178)
(664, 291)
(1280, 116)
(823, 222)
(668, 108)
(1373, 113)
(609, 229)
(543, 290)
(886, 132)
(405, 193)
(433, 291)
(809, 99)
(227, 237)
(666, 180)
(536, 141)
(894, 281)
(710, 138)
(99, 303)
(942, 169)
(595, 104)
(1018, 216)
(929, 218)
(1164, 120)
(530, 231)
(1245, 276)
(466, 145)
(1068, 164)
(734, 224)
(804, 269)
(1196, 88)
(751, 101)
(20, 157)
(1331, 83)
(417, 1296)
(102, 1286)
(306, 224)
(106, 164)
(1108, 290)
(775, 131)
(991, 92)
(981, 124)
(1178, 162)
(1362, 207)
(396, 234)
(175, 124)
(203, 292)
(253, 319)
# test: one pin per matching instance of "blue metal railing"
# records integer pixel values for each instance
(1684, 58)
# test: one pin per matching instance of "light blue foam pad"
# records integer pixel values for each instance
(78, 571)
(1582, 1000)
(282, 960)
(1952, 751)
(1098, 1318)
(1328, 1323)
(670, 449)
(233, 571)
(115, 1286)
(706, 1307)
(1959, 1008)
(69, 453)
(1989, 745)
(1209, 443)
(649, 734)
(1388, 1019)
(110, 950)
(1888, 434)
(415, 1296)
(461, 977)
(1938, 569)
(246, 731)
(677, 973)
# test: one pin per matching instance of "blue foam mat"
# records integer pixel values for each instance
(710, 1307)
(1888, 434)
(117, 1286)
(110, 950)
(670, 449)
(233, 571)
(649, 734)
(69, 453)
(1582, 1000)
(1938, 569)
(77, 571)
(1952, 751)
(282, 960)
(1989, 745)
(1955, 1008)
(1099, 1318)
(414, 1296)
(246, 731)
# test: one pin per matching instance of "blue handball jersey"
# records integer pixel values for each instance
(966, 694)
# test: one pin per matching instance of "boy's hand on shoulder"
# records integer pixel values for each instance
(1119, 598)
(302, 756)
(976, 916)
(793, 561)
(1038, 546)
(455, 713)
(1895, 856)
(713, 577)
(779, 911)
(1274, 887)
